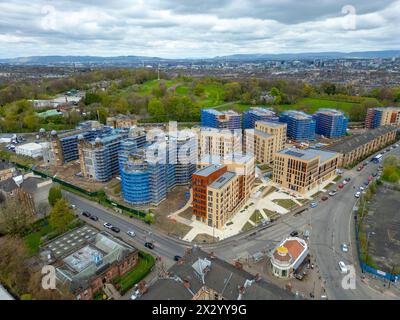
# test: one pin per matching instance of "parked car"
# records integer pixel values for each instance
(366, 182)
(177, 258)
(108, 225)
(341, 185)
(370, 178)
(94, 218)
(342, 267)
(332, 193)
(324, 198)
(115, 229)
(375, 174)
(294, 234)
(131, 233)
(361, 188)
(344, 247)
(86, 214)
(344, 182)
(357, 194)
(388, 149)
(72, 206)
(347, 179)
(313, 205)
(136, 295)
(306, 234)
(359, 168)
(149, 245)
(365, 163)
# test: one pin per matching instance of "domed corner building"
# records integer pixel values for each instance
(288, 257)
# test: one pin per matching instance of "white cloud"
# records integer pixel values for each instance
(190, 28)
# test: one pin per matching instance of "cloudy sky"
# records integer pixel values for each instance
(195, 28)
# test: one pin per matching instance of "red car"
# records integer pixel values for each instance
(340, 186)
(370, 178)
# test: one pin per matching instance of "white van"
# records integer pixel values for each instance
(342, 267)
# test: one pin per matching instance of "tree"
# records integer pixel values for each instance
(13, 264)
(54, 195)
(14, 218)
(149, 218)
(61, 215)
(156, 108)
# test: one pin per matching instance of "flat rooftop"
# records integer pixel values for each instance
(205, 172)
(222, 180)
(300, 115)
(308, 154)
(272, 123)
(262, 133)
(331, 112)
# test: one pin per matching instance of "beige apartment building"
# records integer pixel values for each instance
(121, 121)
(358, 147)
(218, 142)
(269, 137)
(221, 188)
(303, 170)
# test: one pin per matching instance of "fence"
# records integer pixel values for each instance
(365, 267)
(131, 212)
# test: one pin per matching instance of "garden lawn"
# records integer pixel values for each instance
(141, 270)
(286, 203)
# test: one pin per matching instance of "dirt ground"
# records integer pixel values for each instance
(204, 238)
(384, 220)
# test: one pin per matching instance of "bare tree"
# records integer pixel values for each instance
(14, 218)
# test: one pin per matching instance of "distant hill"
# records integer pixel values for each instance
(313, 55)
(136, 60)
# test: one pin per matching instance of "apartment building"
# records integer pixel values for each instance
(221, 119)
(269, 137)
(121, 121)
(63, 148)
(221, 188)
(303, 170)
(359, 146)
(331, 123)
(186, 144)
(300, 126)
(258, 114)
(377, 117)
(99, 158)
(218, 142)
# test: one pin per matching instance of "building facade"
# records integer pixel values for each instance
(212, 118)
(221, 188)
(358, 147)
(216, 142)
(303, 170)
(288, 256)
(331, 123)
(300, 126)
(268, 137)
(99, 158)
(121, 121)
(377, 117)
(258, 114)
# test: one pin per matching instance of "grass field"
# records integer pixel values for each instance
(286, 203)
(247, 226)
(256, 217)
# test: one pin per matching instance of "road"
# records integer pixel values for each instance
(330, 223)
(164, 247)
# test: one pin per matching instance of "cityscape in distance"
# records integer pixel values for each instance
(166, 150)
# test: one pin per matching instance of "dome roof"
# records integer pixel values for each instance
(53, 132)
(97, 140)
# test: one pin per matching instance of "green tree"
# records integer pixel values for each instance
(149, 218)
(156, 108)
(54, 195)
(61, 215)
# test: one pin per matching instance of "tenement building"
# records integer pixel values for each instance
(359, 146)
(303, 170)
